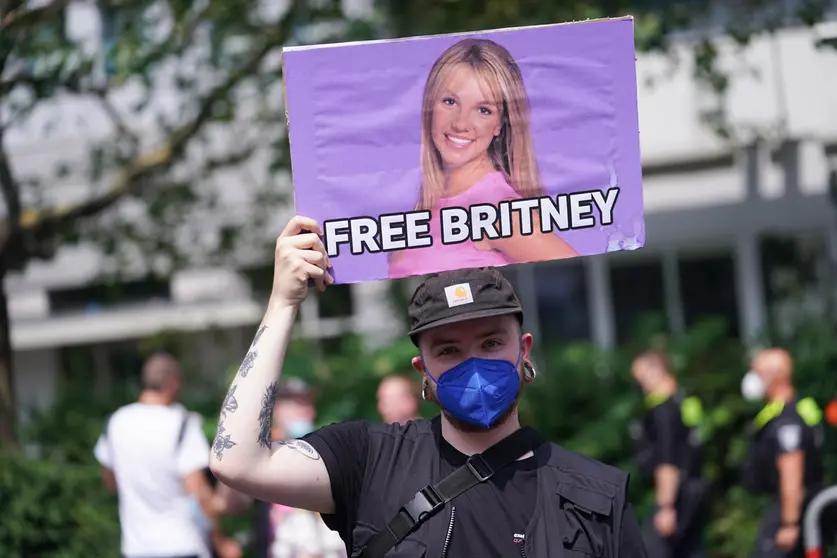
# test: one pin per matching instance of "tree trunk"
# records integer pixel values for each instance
(8, 408)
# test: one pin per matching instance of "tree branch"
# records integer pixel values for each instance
(51, 221)
(11, 196)
(19, 16)
(37, 83)
(10, 232)
(115, 117)
(240, 155)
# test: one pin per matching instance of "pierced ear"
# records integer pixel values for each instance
(529, 372)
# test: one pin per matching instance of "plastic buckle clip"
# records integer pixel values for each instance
(426, 502)
(472, 463)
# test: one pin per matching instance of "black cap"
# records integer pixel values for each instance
(456, 296)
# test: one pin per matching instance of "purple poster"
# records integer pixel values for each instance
(467, 150)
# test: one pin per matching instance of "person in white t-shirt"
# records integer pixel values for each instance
(154, 454)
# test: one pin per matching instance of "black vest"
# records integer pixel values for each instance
(759, 472)
(579, 505)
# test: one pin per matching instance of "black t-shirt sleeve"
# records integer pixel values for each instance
(666, 421)
(630, 539)
(344, 448)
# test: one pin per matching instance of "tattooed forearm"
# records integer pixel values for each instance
(230, 402)
(250, 357)
(302, 447)
(266, 415)
(247, 363)
(257, 336)
(222, 442)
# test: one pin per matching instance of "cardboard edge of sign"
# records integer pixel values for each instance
(287, 126)
(457, 34)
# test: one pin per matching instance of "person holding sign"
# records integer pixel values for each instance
(469, 482)
(476, 152)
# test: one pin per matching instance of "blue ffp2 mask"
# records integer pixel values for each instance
(478, 391)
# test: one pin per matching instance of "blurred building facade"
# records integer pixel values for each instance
(728, 232)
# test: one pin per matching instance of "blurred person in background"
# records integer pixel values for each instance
(152, 454)
(281, 531)
(398, 399)
(785, 455)
(469, 482)
(668, 453)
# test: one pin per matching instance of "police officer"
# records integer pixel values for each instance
(785, 452)
(469, 482)
(668, 453)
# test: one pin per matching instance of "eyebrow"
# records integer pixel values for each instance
(485, 102)
(488, 333)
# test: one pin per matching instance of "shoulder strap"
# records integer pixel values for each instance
(429, 500)
(182, 432)
(106, 426)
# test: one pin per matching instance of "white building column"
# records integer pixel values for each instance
(374, 315)
(309, 316)
(600, 301)
(752, 308)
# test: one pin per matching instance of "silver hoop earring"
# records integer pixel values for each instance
(529, 371)
(424, 390)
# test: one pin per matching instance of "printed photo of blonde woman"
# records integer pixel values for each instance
(477, 147)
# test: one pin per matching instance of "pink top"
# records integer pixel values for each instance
(491, 188)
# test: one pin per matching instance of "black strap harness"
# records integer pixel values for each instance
(432, 498)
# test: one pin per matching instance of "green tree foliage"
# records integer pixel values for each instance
(155, 111)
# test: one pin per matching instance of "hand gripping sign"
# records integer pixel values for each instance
(468, 150)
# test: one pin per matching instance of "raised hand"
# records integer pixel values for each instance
(300, 256)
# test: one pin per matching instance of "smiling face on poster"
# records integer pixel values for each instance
(446, 152)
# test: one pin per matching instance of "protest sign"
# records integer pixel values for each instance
(468, 150)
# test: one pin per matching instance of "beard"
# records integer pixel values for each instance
(467, 427)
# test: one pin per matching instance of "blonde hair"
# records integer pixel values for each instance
(513, 151)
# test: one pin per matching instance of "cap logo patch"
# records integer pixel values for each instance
(458, 295)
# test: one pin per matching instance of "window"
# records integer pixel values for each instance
(336, 302)
(638, 294)
(78, 365)
(94, 298)
(795, 275)
(125, 360)
(561, 290)
(261, 281)
(115, 372)
(707, 289)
